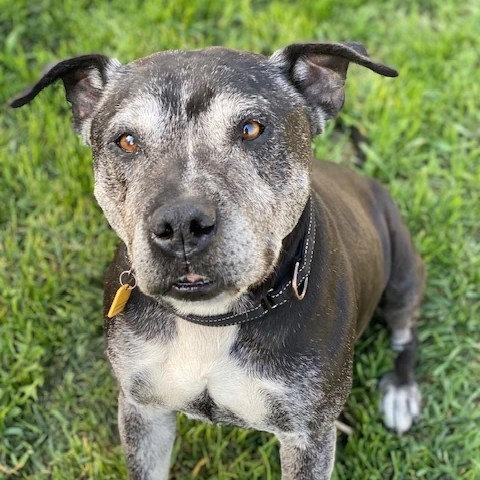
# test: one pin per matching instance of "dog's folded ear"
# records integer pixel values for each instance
(84, 78)
(318, 72)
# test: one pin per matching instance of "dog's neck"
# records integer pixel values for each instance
(293, 250)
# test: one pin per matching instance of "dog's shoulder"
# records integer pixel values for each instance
(332, 180)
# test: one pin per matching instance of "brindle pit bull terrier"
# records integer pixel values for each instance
(252, 270)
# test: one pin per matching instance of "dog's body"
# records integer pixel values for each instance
(218, 209)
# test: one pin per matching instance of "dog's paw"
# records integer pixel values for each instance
(400, 405)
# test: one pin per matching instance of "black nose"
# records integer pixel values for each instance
(183, 228)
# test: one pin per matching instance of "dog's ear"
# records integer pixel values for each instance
(84, 79)
(318, 72)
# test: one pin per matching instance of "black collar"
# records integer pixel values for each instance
(288, 283)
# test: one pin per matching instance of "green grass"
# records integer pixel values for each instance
(57, 394)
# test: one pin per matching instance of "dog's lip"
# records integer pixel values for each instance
(192, 278)
(193, 283)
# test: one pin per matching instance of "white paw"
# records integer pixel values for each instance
(400, 405)
(401, 337)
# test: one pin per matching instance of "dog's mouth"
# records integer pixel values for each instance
(193, 287)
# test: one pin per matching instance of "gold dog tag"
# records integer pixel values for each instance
(120, 300)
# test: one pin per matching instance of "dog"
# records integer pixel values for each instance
(246, 270)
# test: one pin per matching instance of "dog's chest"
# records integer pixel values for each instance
(196, 373)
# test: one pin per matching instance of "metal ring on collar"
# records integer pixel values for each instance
(130, 273)
(300, 296)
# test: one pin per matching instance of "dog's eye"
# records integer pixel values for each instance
(251, 130)
(127, 143)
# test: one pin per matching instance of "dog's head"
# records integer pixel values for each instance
(202, 158)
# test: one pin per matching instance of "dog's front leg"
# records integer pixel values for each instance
(308, 457)
(147, 436)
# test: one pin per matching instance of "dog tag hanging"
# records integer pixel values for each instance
(122, 295)
(120, 300)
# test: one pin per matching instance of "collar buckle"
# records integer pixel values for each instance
(268, 300)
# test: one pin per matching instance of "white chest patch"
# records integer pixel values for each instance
(197, 360)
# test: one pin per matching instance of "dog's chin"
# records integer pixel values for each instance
(202, 295)
(223, 302)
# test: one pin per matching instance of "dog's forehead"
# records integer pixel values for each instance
(207, 72)
(180, 85)
(213, 63)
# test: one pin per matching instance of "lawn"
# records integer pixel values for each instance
(57, 394)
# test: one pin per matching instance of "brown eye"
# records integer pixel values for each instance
(251, 130)
(127, 143)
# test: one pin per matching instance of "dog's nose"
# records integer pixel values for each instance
(184, 228)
